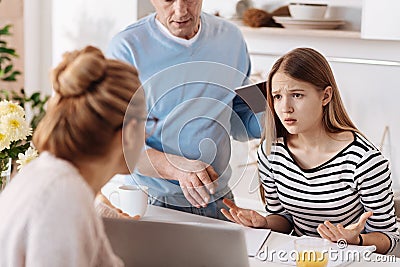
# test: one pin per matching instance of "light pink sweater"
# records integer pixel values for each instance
(47, 218)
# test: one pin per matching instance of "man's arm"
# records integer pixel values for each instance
(197, 179)
(245, 124)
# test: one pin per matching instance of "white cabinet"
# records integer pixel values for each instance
(381, 20)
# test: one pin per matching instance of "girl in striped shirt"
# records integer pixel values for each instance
(320, 176)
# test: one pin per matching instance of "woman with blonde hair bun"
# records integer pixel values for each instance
(47, 212)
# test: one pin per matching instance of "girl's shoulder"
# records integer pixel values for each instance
(364, 144)
(279, 146)
(367, 151)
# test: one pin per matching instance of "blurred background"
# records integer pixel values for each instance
(366, 64)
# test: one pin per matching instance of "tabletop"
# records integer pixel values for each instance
(274, 242)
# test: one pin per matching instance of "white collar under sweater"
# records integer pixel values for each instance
(179, 40)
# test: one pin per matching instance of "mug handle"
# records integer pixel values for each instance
(112, 193)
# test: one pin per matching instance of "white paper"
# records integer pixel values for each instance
(255, 238)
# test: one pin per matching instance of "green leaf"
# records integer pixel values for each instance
(9, 51)
(8, 68)
(5, 30)
(12, 76)
(5, 58)
(35, 97)
(17, 148)
(6, 94)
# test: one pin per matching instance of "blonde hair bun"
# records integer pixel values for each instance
(78, 71)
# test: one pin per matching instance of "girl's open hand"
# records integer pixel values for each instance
(244, 217)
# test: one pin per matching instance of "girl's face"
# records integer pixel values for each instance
(298, 104)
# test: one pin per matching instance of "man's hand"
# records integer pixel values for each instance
(349, 233)
(196, 178)
(244, 217)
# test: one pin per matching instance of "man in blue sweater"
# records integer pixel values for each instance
(189, 63)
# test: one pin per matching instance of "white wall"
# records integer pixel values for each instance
(78, 23)
(55, 26)
(38, 45)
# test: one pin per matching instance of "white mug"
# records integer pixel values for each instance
(132, 199)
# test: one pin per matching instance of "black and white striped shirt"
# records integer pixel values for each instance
(340, 190)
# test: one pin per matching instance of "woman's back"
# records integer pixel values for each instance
(47, 214)
(49, 208)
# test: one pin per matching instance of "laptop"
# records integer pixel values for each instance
(164, 244)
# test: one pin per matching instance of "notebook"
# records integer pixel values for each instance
(149, 243)
(254, 95)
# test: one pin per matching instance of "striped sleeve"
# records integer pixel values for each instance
(273, 205)
(372, 178)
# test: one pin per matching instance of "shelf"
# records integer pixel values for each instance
(300, 32)
(296, 32)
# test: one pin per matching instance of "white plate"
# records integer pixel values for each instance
(289, 22)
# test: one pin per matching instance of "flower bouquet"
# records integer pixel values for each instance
(15, 136)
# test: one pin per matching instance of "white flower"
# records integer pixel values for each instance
(4, 141)
(7, 107)
(24, 159)
(15, 126)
